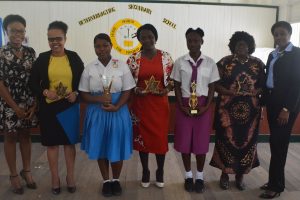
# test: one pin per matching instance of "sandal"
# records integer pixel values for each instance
(16, 190)
(29, 185)
(239, 182)
(224, 181)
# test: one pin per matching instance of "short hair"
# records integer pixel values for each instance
(199, 31)
(242, 36)
(58, 25)
(11, 19)
(102, 36)
(287, 26)
(149, 27)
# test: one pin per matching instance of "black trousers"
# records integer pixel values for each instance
(279, 143)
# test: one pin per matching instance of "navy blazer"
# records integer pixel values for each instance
(39, 79)
(286, 75)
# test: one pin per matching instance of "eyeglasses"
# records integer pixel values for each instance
(57, 39)
(15, 31)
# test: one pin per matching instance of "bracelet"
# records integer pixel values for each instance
(76, 93)
(285, 109)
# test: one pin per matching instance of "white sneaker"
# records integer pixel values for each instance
(145, 185)
(160, 184)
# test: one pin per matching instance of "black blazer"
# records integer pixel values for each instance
(39, 79)
(286, 74)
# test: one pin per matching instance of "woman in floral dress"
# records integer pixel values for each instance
(17, 104)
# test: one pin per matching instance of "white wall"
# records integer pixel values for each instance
(218, 23)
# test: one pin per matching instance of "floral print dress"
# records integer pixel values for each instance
(237, 117)
(15, 72)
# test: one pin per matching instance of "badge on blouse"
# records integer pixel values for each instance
(152, 85)
(114, 63)
(61, 90)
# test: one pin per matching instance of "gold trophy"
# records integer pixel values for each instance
(152, 85)
(243, 87)
(61, 90)
(106, 82)
(193, 101)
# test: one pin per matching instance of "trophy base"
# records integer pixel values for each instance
(194, 112)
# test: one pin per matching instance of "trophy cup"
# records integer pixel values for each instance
(106, 82)
(61, 90)
(152, 85)
(193, 101)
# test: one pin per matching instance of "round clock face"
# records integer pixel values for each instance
(123, 36)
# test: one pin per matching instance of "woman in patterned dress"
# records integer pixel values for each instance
(17, 104)
(238, 110)
(151, 69)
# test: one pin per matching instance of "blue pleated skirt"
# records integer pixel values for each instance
(107, 135)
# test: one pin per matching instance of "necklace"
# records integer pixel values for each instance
(239, 60)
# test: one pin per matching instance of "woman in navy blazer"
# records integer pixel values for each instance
(283, 103)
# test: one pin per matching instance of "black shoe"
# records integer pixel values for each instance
(55, 191)
(189, 184)
(16, 190)
(71, 189)
(264, 187)
(199, 186)
(116, 188)
(28, 184)
(107, 189)
(267, 195)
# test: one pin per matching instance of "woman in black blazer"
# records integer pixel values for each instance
(283, 103)
(54, 80)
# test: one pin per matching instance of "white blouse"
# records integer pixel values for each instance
(207, 73)
(93, 74)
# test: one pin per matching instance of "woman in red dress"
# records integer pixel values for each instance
(151, 69)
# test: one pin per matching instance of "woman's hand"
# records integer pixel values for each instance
(283, 117)
(51, 95)
(21, 113)
(110, 107)
(71, 97)
(201, 110)
(31, 111)
(162, 92)
(186, 110)
(140, 92)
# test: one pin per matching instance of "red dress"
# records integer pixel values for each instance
(150, 113)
